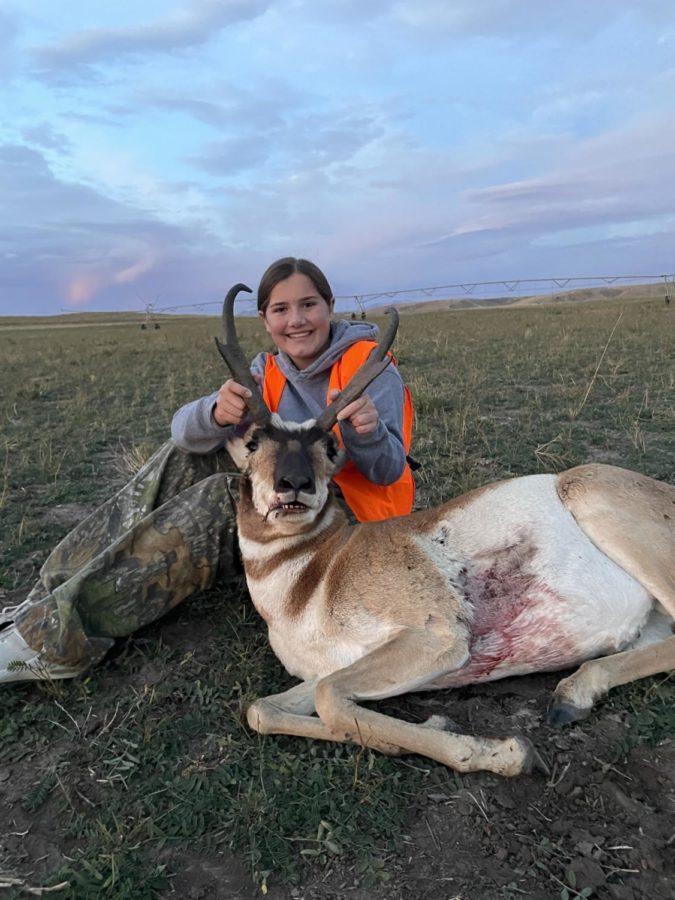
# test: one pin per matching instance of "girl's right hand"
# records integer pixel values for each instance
(230, 407)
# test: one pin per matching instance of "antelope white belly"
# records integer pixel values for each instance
(543, 597)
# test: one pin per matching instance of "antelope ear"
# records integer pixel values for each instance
(235, 444)
(339, 460)
(337, 456)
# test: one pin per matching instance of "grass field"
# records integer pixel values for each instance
(141, 778)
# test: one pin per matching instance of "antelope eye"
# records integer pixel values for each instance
(252, 446)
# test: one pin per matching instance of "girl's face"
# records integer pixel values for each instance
(297, 318)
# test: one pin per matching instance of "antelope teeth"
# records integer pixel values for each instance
(294, 507)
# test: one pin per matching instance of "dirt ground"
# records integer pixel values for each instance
(599, 825)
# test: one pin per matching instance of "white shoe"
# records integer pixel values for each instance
(19, 662)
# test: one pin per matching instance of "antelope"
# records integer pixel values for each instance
(537, 573)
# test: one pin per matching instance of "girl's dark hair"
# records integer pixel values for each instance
(283, 269)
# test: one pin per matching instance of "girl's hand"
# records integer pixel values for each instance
(362, 414)
(230, 407)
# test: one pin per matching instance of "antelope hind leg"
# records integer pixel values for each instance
(574, 697)
(410, 661)
(631, 518)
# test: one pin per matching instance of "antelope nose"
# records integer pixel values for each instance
(294, 481)
(293, 470)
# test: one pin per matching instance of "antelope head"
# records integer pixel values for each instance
(287, 467)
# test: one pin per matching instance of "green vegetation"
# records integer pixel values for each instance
(150, 754)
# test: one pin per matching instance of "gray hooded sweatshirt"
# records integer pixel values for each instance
(379, 456)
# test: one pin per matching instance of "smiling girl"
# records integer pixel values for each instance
(316, 356)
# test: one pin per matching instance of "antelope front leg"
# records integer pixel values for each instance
(407, 663)
(574, 696)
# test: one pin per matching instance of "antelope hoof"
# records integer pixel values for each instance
(560, 713)
(515, 757)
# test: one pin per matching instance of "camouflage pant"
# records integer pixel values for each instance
(169, 532)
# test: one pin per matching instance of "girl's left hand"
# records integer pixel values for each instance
(362, 414)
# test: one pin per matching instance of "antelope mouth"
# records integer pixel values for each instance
(294, 507)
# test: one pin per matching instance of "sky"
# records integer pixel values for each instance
(159, 152)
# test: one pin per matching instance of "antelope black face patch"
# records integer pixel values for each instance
(290, 467)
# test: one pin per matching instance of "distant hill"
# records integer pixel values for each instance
(88, 319)
(624, 293)
(653, 291)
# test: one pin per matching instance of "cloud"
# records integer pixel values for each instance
(139, 267)
(9, 31)
(232, 156)
(508, 19)
(255, 108)
(47, 137)
(82, 284)
(195, 24)
(603, 201)
(82, 288)
(298, 142)
(31, 194)
(70, 245)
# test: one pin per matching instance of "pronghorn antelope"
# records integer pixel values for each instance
(533, 574)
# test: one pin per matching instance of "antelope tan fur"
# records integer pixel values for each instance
(533, 574)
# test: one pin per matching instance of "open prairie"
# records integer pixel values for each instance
(141, 779)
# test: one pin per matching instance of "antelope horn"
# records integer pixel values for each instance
(236, 361)
(376, 363)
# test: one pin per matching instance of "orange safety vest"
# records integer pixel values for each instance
(368, 501)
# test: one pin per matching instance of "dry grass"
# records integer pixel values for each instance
(497, 394)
